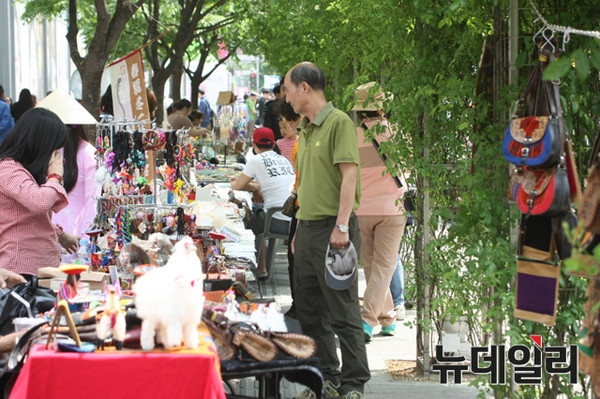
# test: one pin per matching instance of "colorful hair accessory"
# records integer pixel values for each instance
(142, 181)
(100, 146)
(154, 140)
(109, 160)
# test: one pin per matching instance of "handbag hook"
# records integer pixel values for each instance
(548, 39)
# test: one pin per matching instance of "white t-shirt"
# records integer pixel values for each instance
(275, 176)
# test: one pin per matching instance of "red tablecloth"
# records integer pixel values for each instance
(127, 375)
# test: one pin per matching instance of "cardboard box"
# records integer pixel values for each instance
(51, 277)
(226, 97)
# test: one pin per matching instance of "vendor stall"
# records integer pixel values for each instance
(168, 247)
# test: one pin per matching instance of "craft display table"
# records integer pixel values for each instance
(121, 374)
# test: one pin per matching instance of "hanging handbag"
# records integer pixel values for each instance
(589, 211)
(532, 141)
(535, 135)
(544, 192)
(536, 291)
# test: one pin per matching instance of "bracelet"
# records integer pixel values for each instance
(57, 177)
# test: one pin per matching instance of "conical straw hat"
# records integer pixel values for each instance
(67, 108)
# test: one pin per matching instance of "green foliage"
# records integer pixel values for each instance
(47, 8)
(427, 54)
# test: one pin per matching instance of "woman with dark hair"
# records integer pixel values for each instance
(179, 118)
(31, 172)
(80, 183)
(80, 164)
(20, 107)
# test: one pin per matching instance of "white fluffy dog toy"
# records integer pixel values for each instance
(169, 300)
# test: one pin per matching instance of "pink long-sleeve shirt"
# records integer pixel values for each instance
(82, 209)
(379, 191)
(28, 238)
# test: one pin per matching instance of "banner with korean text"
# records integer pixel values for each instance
(129, 88)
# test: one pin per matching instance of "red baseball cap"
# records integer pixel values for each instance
(263, 135)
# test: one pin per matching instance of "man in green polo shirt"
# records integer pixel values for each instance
(328, 194)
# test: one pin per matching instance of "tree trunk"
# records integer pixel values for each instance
(91, 77)
(176, 78)
(158, 84)
(108, 30)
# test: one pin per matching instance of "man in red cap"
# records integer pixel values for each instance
(273, 176)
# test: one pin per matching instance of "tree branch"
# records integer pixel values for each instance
(72, 32)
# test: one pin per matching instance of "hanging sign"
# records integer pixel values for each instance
(129, 88)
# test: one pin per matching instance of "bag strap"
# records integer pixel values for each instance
(381, 154)
(538, 97)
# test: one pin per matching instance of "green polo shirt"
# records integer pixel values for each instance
(323, 143)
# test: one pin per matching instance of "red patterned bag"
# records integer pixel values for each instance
(544, 192)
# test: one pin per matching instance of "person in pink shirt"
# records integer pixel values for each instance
(380, 219)
(80, 184)
(31, 172)
(288, 126)
(80, 165)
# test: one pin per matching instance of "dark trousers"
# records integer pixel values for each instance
(290, 256)
(323, 312)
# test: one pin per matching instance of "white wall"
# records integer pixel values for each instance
(34, 56)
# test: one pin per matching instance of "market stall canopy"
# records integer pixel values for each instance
(67, 108)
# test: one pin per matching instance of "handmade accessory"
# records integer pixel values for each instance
(544, 192)
(253, 342)
(537, 291)
(299, 346)
(537, 239)
(57, 177)
(154, 140)
(535, 137)
(532, 141)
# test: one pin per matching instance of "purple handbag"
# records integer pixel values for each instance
(537, 291)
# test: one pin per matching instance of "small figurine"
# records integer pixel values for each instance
(112, 319)
(69, 289)
(232, 312)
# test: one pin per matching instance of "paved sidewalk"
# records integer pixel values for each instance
(400, 347)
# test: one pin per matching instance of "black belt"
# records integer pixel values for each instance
(317, 223)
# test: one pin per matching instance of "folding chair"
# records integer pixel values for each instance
(272, 237)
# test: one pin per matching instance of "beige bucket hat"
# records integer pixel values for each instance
(370, 97)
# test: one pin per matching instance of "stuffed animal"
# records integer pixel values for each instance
(112, 319)
(169, 299)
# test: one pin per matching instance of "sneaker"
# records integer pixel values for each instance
(388, 331)
(400, 312)
(354, 395)
(368, 330)
(330, 392)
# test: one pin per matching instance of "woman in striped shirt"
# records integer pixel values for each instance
(31, 172)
